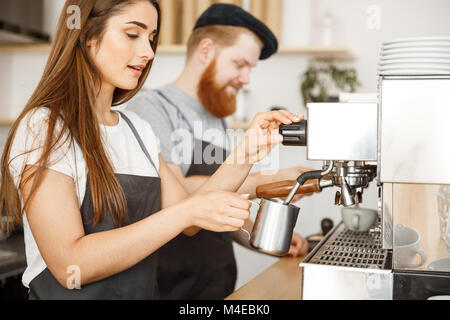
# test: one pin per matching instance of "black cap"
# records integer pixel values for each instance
(232, 15)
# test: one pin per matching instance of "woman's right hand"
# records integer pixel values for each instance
(217, 211)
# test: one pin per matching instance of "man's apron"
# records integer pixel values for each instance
(203, 266)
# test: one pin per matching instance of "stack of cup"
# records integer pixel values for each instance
(443, 199)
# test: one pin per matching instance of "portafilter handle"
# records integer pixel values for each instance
(282, 189)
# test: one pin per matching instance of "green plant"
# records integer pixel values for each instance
(322, 77)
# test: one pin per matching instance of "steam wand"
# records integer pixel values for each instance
(310, 175)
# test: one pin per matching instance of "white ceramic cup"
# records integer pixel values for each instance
(439, 298)
(439, 265)
(406, 248)
(359, 219)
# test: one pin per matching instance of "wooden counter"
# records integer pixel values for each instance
(282, 281)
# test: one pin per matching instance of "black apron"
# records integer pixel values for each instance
(202, 267)
(143, 196)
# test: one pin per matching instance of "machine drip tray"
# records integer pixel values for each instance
(345, 248)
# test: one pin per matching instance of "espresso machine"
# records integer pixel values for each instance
(401, 142)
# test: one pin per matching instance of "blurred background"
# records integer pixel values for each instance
(328, 47)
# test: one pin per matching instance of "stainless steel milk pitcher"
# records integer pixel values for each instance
(273, 227)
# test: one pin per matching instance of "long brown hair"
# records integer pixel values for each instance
(67, 89)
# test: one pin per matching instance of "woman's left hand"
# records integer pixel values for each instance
(264, 135)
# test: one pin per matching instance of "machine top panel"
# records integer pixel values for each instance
(342, 131)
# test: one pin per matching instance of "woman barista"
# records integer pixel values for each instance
(95, 198)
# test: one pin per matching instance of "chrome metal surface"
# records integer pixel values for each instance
(352, 177)
(347, 196)
(326, 184)
(292, 193)
(352, 180)
(386, 217)
(322, 282)
(342, 131)
(414, 125)
(327, 168)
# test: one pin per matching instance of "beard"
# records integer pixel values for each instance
(215, 99)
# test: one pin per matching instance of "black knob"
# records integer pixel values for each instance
(326, 225)
(295, 134)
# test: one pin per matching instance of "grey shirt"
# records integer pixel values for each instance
(177, 118)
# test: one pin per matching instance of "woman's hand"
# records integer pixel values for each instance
(263, 135)
(216, 211)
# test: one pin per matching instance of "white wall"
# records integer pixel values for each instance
(276, 81)
(399, 19)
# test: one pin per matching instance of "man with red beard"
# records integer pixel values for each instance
(188, 117)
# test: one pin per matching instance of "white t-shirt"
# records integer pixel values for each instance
(121, 146)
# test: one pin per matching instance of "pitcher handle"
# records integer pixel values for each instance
(242, 228)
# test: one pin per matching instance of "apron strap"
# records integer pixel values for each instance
(139, 140)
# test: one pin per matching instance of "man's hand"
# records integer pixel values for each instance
(299, 246)
(262, 136)
(291, 173)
